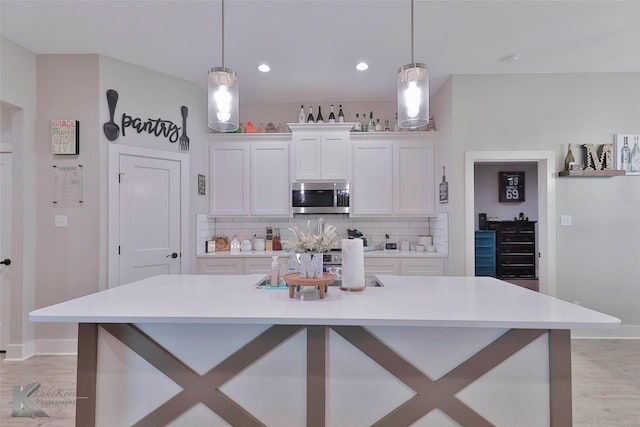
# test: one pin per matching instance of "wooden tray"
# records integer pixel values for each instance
(295, 281)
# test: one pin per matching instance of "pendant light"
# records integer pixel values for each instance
(413, 92)
(223, 95)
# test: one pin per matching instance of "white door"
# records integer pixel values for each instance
(5, 246)
(149, 217)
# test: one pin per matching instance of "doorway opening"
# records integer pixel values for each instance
(545, 167)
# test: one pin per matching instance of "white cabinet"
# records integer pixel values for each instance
(393, 174)
(414, 178)
(270, 186)
(320, 151)
(229, 175)
(250, 177)
(238, 264)
(404, 266)
(372, 176)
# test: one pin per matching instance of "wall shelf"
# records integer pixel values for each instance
(592, 173)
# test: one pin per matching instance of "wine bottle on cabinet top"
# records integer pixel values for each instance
(371, 127)
(301, 115)
(365, 126)
(310, 116)
(340, 115)
(358, 125)
(319, 119)
(332, 117)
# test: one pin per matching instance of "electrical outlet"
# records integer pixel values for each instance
(60, 221)
(565, 220)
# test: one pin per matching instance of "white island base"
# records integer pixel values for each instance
(421, 351)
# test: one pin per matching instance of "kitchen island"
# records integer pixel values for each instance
(221, 350)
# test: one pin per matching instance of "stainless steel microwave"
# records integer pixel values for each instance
(320, 197)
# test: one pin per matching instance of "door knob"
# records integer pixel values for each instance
(7, 261)
(173, 255)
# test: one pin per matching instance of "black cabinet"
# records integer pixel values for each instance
(515, 249)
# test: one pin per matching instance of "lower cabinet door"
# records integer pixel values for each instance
(422, 267)
(219, 266)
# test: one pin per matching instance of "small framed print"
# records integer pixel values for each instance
(627, 153)
(510, 187)
(65, 137)
(202, 185)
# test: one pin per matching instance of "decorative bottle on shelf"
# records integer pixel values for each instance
(386, 125)
(332, 117)
(310, 116)
(635, 156)
(378, 125)
(358, 126)
(340, 115)
(319, 119)
(568, 159)
(625, 156)
(396, 128)
(301, 114)
(371, 127)
(365, 126)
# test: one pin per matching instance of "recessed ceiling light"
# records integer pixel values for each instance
(513, 57)
(264, 68)
(361, 66)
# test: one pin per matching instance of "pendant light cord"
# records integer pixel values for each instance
(223, 33)
(412, 61)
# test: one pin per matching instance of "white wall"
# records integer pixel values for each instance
(18, 88)
(597, 256)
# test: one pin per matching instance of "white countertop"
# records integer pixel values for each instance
(367, 254)
(403, 301)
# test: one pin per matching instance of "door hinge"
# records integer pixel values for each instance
(118, 249)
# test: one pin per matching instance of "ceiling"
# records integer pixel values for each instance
(313, 46)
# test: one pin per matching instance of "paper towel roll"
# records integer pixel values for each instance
(352, 263)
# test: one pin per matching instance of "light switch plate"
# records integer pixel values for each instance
(565, 220)
(60, 221)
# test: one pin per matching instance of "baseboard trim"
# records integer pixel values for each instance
(19, 352)
(625, 332)
(59, 347)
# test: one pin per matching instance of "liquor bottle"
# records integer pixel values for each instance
(386, 125)
(301, 115)
(332, 117)
(319, 119)
(625, 156)
(365, 126)
(358, 126)
(378, 125)
(568, 159)
(371, 127)
(635, 156)
(396, 128)
(310, 116)
(340, 115)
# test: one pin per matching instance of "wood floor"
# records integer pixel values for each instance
(606, 386)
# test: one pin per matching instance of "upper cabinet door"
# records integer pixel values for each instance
(270, 185)
(229, 179)
(307, 151)
(372, 179)
(321, 151)
(414, 178)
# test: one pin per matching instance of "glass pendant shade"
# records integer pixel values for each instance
(223, 99)
(413, 96)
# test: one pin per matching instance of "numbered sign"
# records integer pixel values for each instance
(511, 187)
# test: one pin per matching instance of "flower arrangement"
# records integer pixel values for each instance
(325, 238)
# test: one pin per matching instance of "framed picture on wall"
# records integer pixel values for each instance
(65, 137)
(627, 153)
(510, 187)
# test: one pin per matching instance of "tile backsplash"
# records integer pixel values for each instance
(373, 229)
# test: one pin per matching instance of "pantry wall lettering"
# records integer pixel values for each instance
(157, 127)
